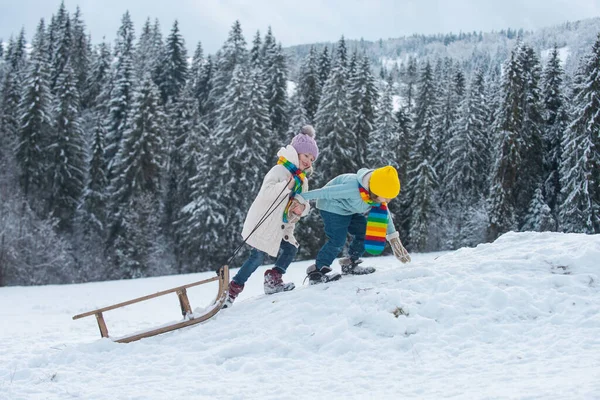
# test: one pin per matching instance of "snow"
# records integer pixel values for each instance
(398, 102)
(517, 318)
(291, 88)
(563, 54)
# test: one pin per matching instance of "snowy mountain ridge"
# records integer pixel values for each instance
(517, 318)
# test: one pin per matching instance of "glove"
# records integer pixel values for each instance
(399, 250)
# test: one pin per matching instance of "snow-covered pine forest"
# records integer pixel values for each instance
(140, 158)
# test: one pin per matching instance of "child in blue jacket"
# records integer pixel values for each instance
(355, 204)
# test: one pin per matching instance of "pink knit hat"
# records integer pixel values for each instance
(304, 142)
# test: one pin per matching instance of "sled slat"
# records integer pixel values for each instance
(102, 325)
(143, 298)
(173, 327)
(184, 302)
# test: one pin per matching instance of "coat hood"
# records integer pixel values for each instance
(290, 154)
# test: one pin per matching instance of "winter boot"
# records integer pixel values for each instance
(274, 283)
(323, 275)
(351, 267)
(232, 293)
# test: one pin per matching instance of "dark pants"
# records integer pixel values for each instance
(287, 252)
(337, 227)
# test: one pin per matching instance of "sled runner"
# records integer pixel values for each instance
(186, 309)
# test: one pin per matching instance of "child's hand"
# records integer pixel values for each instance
(399, 250)
(297, 208)
(295, 211)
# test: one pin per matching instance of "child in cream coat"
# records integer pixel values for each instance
(269, 225)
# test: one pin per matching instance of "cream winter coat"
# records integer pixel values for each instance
(273, 191)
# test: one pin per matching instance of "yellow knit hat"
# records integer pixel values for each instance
(384, 182)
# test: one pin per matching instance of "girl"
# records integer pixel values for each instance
(272, 233)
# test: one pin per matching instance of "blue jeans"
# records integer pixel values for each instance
(287, 252)
(337, 227)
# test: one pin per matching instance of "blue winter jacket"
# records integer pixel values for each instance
(341, 196)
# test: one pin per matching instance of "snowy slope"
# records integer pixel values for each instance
(518, 318)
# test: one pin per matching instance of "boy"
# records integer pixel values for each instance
(355, 204)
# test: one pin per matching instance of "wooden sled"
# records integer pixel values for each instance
(186, 309)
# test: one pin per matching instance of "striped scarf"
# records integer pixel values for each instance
(376, 223)
(298, 176)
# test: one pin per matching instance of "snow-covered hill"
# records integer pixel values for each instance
(518, 318)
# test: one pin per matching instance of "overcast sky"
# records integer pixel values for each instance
(301, 21)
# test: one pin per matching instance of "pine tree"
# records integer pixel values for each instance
(269, 43)
(257, 130)
(469, 145)
(35, 122)
(68, 154)
(137, 247)
(183, 121)
(450, 94)
(232, 54)
(469, 155)
(175, 66)
(144, 50)
(555, 121)
(140, 159)
(337, 142)
(63, 34)
(94, 201)
(202, 220)
(121, 98)
(353, 66)
(384, 139)
(203, 86)
(539, 217)
(15, 55)
(156, 53)
(341, 54)
(238, 164)
(309, 84)
(195, 154)
(401, 208)
(363, 98)
(256, 52)
(580, 164)
(405, 141)
(148, 51)
(196, 66)
(422, 177)
(324, 66)
(493, 95)
(245, 134)
(10, 97)
(298, 115)
(54, 35)
(135, 189)
(276, 77)
(518, 132)
(98, 84)
(383, 74)
(81, 54)
(11, 90)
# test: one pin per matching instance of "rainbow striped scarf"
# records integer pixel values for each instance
(376, 223)
(298, 176)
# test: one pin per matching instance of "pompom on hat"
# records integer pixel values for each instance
(304, 142)
(384, 182)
